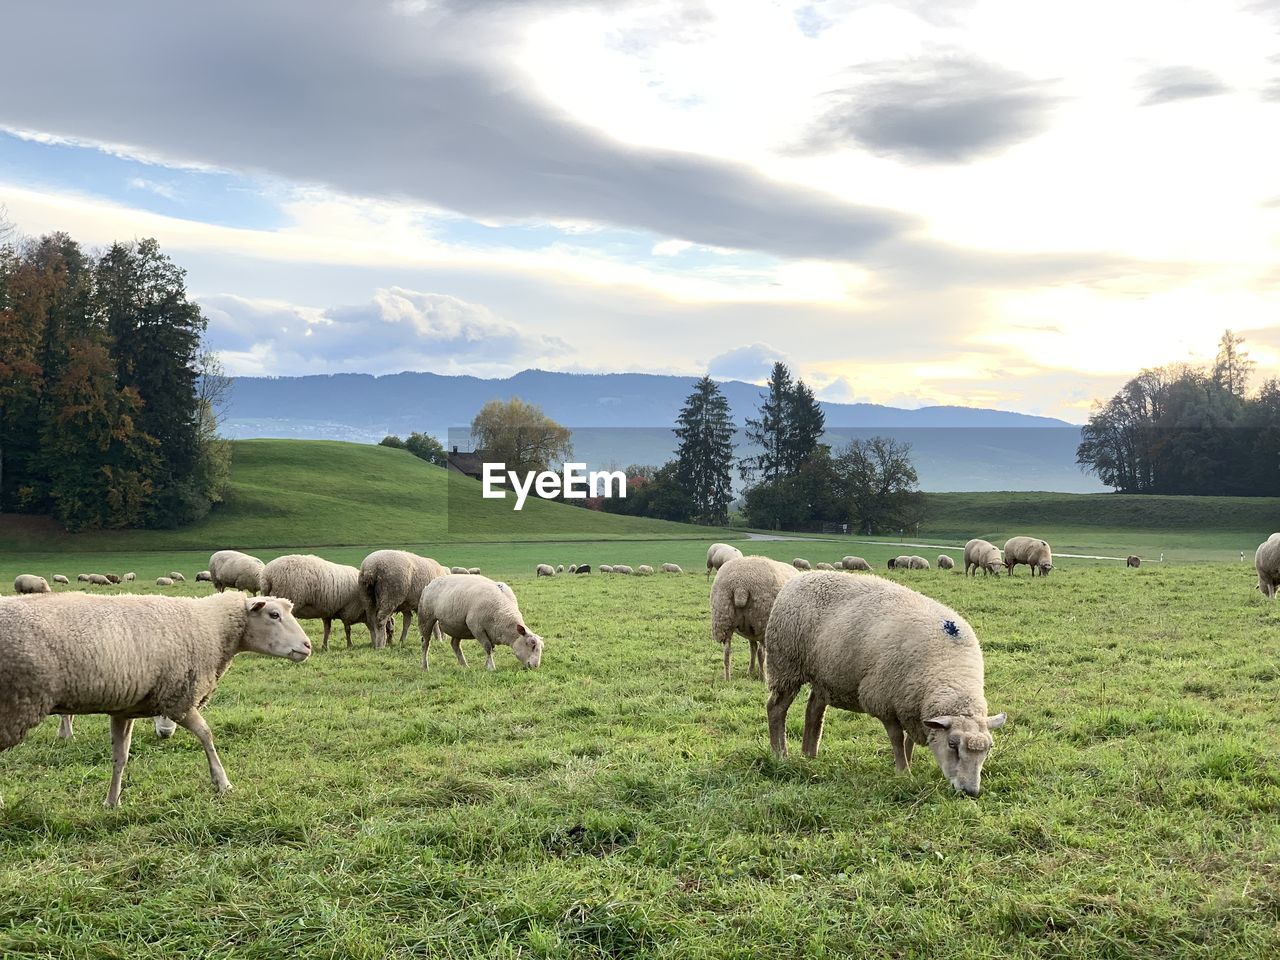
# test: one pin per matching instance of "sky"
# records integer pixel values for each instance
(1001, 204)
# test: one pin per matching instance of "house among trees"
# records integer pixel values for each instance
(468, 464)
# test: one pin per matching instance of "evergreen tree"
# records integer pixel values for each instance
(705, 452)
(1232, 366)
(769, 431)
(805, 424)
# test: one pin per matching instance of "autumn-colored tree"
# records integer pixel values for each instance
(520, 435)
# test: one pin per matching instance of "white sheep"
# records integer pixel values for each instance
(874, 646)
(83, 577)
(480, 609)
(544, 570)
(823, 565)
(59, 578)
(855, 563)
(919, 563)
(981, 555)
(671, 568)
(161, 582)
(606, 568)
(644, 570)
(239, 571)
(474, 571)
(560, 568)
(945, 562)
(573, 568)
(131, 656)
(129, 578)
(392, 581)
(457, 569)
(30, 583)
(177, 577)
(718, 554)
(623, 569)
(741, 599)
(1266, 560)
(1034, 553)
(319, 590)
(98, 580)
(800, 563)
(204, 576)
(900, 563)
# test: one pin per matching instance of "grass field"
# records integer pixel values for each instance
(621, 800)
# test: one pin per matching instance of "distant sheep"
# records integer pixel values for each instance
(718, 554)
(239, 571)
(477, 609)
(671, 568)
(981, 555)
(1266, 560)
(644, 570)
(1132, 561)
(622, 568)
(130, 577)
(901, 563)
(113, 578)
(391, 581)
(457, 569)
(319, 590)
(741, 599)
(823, 565)
(544, 570)
(919, 563)
(583, 568)
(204, 576)
(606, 568)
(474, 571)
(873, 646)
(177, 577)
(164, 582)
(84, 577)
(800, 563)
(1034, 553)
(30, 583)
(560, 568)
(855, 563)
(131, 656)
(59, 578)
(945, 562)
(98, 580)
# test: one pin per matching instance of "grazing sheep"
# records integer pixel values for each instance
(474, 571)
(164, 582)
(573, 568)
(945, 562)
(392, 581)
(84, 577)
(204, 576)
(1034, 553)
(560, 568)
(623, 569)
(874, 646)
(981, 555)
(544, 570)
(164, 726)
(177, 577)
(1267, 562)
(644, 570)
(131, 656)
(855, 563)
(718, 554)
(583, 568)
(606, 568)
(319, 590)
(239, 571)
(741, 599)
(457, 569)
(59, 578)
(477, 609)
(800, 563)
(671, 568)
(30, 583)
(113, 578)
(919, 563)
(98, 580)
(1132, 561)
(893, 562)
(129, 578)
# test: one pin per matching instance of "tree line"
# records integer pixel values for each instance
(107, 397)
(1185, 429)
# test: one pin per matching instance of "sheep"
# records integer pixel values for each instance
(855, 563)
(573, 568)
(177, 577)
(59, 578)
(231, 568)
(98, 580)
(477, 609)
(129, 578)
(606, 568)
(1267, 562)
(893, 562)
(874, 646)
(113, 578)
(981, 555)
(1132, 561)
(823, 565)
(391, 581)
(164, 726)
(319, 590)
(560, 568)
(919, 563)
(164, 582)
(672, 568)
(945, 562)
(741, 599)
(474, 571)
(623, 569)
(718, 554)
(583, 568)
(131, 656)
(1034, 553)
(457, 569)
(544, 570)
(83, 577)
(204, 576)
(644, 570)
(800, 563)
(30, 583)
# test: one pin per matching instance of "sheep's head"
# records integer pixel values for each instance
(994, 566)
(1045, 568)
(271, 630)
(961, 746)
(527, 646)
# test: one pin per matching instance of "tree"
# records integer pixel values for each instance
(1232, 366)
(805, 424)
(391, 440)
(426, 448)
(769, 430)
(803, 501)
(705, 452)
(879, 482)
(520, 435)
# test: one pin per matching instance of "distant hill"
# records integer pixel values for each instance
(623, 418)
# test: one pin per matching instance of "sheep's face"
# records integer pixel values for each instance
(527, 647)
(961, 746)
(272, 631)
(1045, 568)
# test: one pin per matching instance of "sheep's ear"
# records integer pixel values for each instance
(257, 605)
(520, 629)
(996, 722)
(939, 723)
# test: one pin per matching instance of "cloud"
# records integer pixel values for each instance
(751, 363)
(397, 330)
(392, 102)
(943, 111)
(1168, 84)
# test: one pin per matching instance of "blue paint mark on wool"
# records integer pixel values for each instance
(950, 627)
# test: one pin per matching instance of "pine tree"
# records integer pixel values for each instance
(805, 424)
(770, 431)
(705, 452)
(1232, 366)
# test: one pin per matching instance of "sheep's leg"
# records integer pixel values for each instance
(404, 627)
(428, 628)
(813, 716)
(488, 653)
(728, 656)
(121, 735)
(347, 629)
(779, 704)
(195, 723)
(759, 651)
(328, 625)
(456, 643)
(64, 726)
(907, 746)
(901, 749)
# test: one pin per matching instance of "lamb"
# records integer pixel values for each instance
(718, 554)
(391, 581)
(164, 582)
(874, 646)
(855, 563)
(584, 568)
(671, 568)
(606, 568)
(1267, 562)
(318, 590)
(1034, 553)
(477, 609)
(129, 578)
(59, 578)
(919, 563)
(800, 563)
(544, 570)
(945, 562)
(741, 599)
(644, 570)
(1132, 561)
(30, 583)
(98, 580)
(981, 555)
(131, 656)
(204, 576)
(177, 577)
(231, 568)
(457, 569)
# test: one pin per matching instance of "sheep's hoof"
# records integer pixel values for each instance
(110, 804)
(222, 789)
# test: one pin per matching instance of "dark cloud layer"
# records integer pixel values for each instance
(948, 111)
(388, 100)
(1179, 83)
